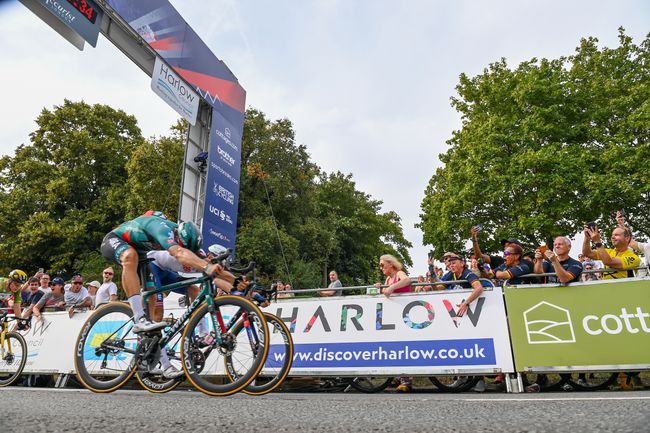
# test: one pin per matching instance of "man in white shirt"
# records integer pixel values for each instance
(107, 292)
(77, 297)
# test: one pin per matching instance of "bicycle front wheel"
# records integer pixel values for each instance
(104, 355)
(204, 358)
(278, 361)
(13, 356)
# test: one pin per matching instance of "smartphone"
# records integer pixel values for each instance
(479, 227)
(591, 225)
(41, 270)
(543, 248)
(622, 212)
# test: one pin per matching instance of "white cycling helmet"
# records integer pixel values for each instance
(217, 249)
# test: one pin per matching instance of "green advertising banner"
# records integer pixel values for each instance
(600, 324)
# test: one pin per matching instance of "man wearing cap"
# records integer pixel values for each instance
(107, 292)
(77, 297)
(93, 286)
(54, 299)
(467, 280)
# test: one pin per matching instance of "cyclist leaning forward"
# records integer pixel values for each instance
(149, 232)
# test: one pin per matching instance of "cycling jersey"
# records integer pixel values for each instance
(147, 233)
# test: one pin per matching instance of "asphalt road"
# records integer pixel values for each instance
(40, 410)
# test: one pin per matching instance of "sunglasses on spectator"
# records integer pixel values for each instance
(77, 282)
(508, 253)
(108, 273)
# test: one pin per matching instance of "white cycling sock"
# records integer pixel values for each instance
(164, 359)
(135, 302)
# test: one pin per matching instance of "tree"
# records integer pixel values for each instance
(297, 222)
(63, 192)
(154, 173)
(545, 147)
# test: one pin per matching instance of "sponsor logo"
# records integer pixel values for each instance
(219, 235)
(227, 132)
(223, 193)
(225, 156)
(548, 324)
(614, 324)
(59, 9)
(225, 173)
(223, 216)
(227, 140)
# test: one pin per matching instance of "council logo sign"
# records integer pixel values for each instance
(548, 324)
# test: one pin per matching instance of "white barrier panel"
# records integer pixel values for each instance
(407, 334)
(351, 335)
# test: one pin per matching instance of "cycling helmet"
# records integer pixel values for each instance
(18, 276)
(217, 249)
(190, 236)
(58, 280)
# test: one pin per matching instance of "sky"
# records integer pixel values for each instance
(366, 84)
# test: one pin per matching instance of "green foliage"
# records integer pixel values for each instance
(63, 192)
(154, 174)
(545, 147)
(322, 221)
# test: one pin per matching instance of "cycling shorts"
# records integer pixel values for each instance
(113, 246)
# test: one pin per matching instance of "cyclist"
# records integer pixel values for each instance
(150, 232)
(12, 286)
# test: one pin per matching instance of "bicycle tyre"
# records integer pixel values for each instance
(370, 384)
(453, 384)
(12, 358)
(156, 383)
(594, 380)
(551, 382)
(194, 358)
(263, 384)
(117, 317)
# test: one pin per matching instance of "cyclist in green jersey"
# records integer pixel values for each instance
(150, 232)
(11, 286)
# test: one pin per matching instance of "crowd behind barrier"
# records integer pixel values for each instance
(466, 280)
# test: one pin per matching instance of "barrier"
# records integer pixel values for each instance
(597, 325)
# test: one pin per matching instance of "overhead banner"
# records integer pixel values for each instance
(165, 30)
(593, 325)
(407, 334)
(174, 91)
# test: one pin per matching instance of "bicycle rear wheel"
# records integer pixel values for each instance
(104, 356)
(590, 381)
(204, 361)
(13, 356)
(370, 385)
(278, 360)
(454, 383)
(157, 383)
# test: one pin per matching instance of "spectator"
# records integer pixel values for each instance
(567, 270)
(429, 288)
(445, 259)
(107, 292)
(459, 272)
(474, 266)
(397, 282)
(282, 290)
(55, 299)
(334, 287)
(396, 279)
(640, 247)
(513, 267)
(620, 257)
(439, 272)
(493, 261)
(77, 297)
(45, 284)
(420, 288)
(34, 295)
(588, 276)
(93, 287)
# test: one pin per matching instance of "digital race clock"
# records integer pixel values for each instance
(88, 11)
